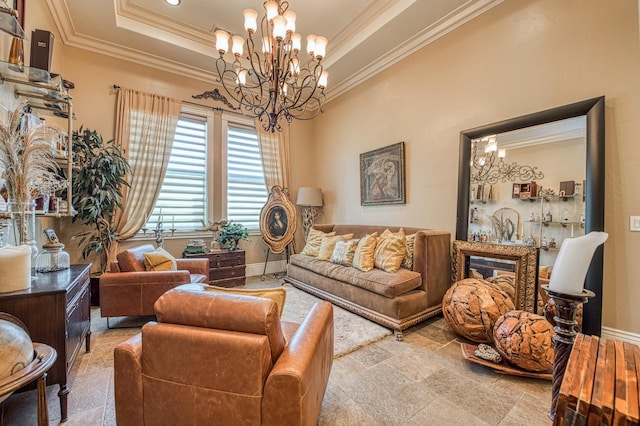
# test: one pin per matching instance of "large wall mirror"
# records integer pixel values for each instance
(520, 183)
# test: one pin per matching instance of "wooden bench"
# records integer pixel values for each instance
(600, 385)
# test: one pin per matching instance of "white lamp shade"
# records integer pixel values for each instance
(308, 196)
(279, 27)
(222, 41)
(237, 45)
(250, 20)
(321, 47)
(291, 20)
(570, 268)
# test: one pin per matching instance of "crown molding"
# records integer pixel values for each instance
(455, 19)
(140, 20)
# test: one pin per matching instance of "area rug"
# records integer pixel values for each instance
(351, 331)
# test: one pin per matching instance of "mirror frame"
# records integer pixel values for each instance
(525, 258)
(593, 109)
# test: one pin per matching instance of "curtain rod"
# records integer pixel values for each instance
(117, 87)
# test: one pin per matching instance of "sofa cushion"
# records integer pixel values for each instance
(343, 252)
(390, 250)
(377, 281)
(160, 260)
(277, 294)
(132, 260)
(314, 239)
(363, 257)
(328, 243)
(408, 257)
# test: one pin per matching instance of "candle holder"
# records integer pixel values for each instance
(159, 233)
(565, 328)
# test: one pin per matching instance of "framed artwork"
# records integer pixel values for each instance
(278, 220)
(382, 176)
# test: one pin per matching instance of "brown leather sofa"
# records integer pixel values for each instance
(130, 290)
(396, 300)
(222, 359)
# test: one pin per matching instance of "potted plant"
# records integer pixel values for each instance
(98, 179)
(231, 234)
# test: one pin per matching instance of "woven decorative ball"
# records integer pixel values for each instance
(471, 307)
(524, 339)
(505, 283)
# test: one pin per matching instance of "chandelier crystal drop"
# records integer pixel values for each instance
(488, 165)
(271, 82)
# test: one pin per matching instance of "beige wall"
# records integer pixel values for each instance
(522, 56)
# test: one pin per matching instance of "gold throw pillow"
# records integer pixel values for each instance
(160, 260)
(390, 250)
(328, 243)
(314, 239)
(363, 257)
(277, 294)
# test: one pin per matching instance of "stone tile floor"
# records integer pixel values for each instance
(422, 380)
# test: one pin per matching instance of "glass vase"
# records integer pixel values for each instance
(22, 226)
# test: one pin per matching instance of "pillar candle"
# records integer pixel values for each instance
(570, 268)
(15, 268)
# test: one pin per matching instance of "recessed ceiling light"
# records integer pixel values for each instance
(173, 2)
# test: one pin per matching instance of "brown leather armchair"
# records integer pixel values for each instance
(130, 290)
(222, 359)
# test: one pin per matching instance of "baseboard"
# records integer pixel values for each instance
(256, 269)
(625, 336)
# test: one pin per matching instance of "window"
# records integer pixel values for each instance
(246, 189)
(182, 197)
(201, 186)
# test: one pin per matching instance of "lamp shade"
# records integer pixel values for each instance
(308, 196)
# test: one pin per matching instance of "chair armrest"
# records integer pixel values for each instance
(194, 265)
(146, 277)
(295, 387)
(128, 382)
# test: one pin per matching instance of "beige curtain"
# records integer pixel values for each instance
(145, 127)
(274, 148)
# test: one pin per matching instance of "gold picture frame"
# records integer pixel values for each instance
(382, 176)
(278, 220)
(526, 267)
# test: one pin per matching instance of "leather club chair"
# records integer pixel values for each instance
(221, 359)
(130, 290)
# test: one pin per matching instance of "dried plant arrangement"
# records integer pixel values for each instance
(26, 156)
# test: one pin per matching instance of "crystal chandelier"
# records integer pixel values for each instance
(488, 165)
(272, 83)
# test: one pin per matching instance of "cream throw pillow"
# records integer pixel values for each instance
(277, 294)
(314, 239)
(343, 252)
(160, 260)
(407, 262)
(328, 243)
(363, 257)
(390, 250)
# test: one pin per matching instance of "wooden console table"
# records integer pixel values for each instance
(56, 312)
(600, 385)
(226, 267)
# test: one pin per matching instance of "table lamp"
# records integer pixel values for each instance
(309, 199)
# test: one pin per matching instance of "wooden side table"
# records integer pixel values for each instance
(600, 385)
(56, 311)
(45, 357)
(226, 267)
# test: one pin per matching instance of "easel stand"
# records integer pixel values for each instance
(566, 306)
(277, 275)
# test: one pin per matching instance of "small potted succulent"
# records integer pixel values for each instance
(231, 234)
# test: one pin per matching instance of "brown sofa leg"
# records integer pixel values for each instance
(399, 335)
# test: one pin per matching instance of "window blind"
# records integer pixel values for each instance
(246, 189)
(182, 198)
